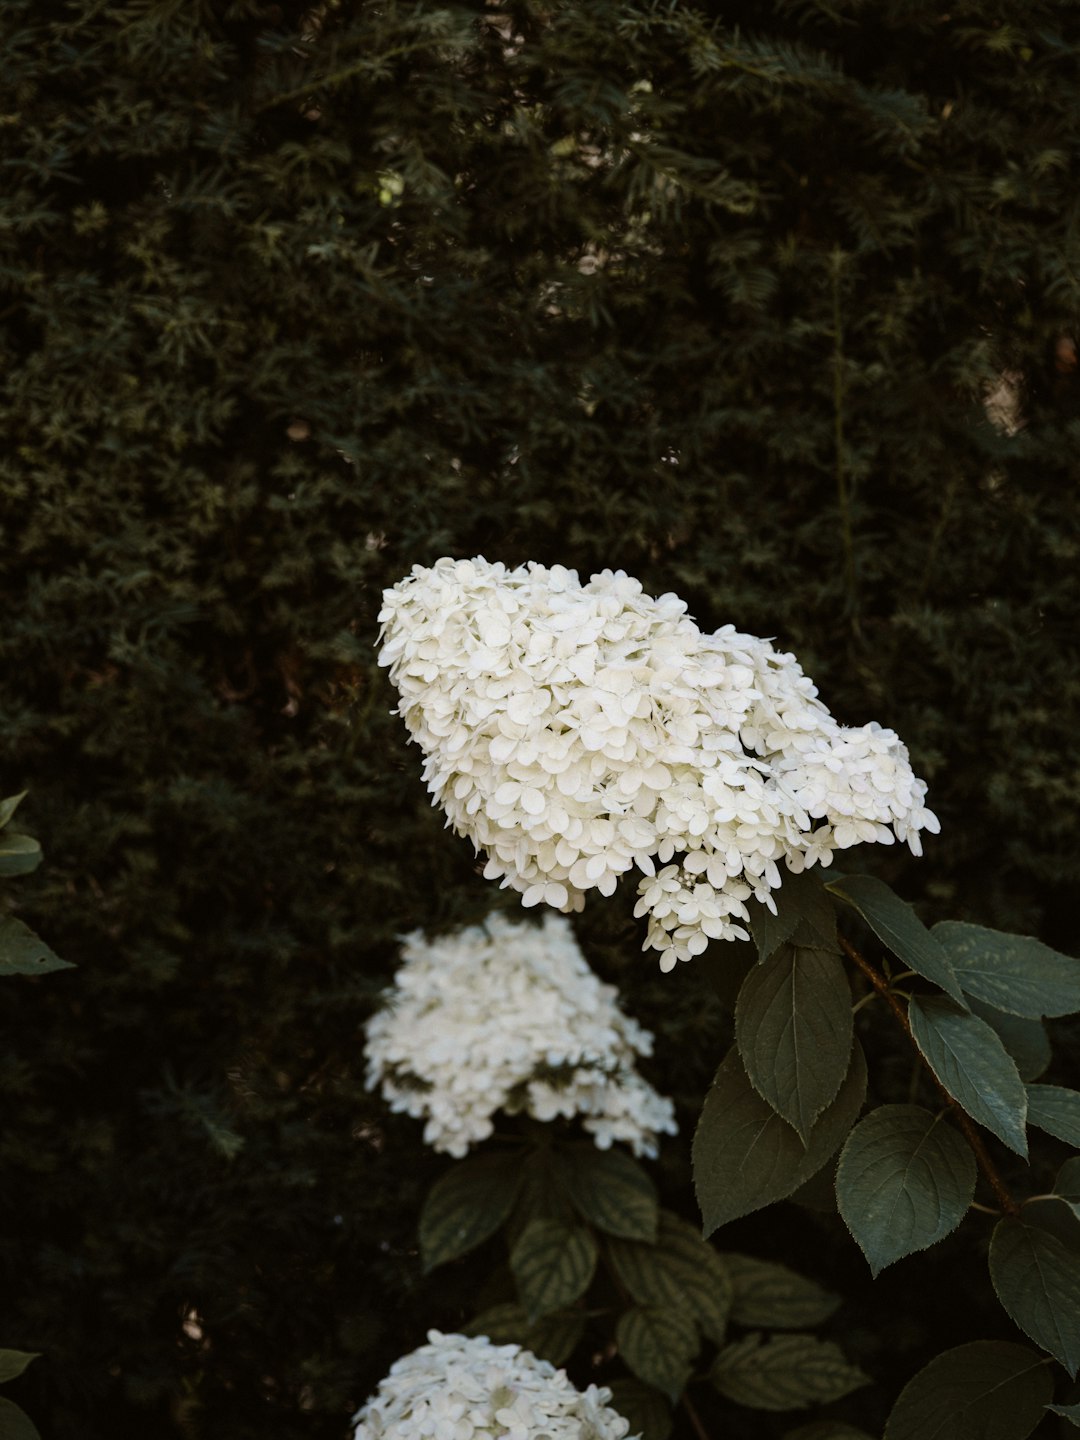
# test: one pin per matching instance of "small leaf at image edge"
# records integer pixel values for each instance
(990, 1389)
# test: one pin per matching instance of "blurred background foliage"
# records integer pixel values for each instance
(770, 304)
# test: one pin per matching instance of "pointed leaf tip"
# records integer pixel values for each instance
(989, 1388)
(1037, 1279)
(904, 1181)
(895, 923)
(971, 1063)
(793, 1026)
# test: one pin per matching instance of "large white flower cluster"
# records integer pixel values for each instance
(508, 1016)
(574, 731)
(456, 1388)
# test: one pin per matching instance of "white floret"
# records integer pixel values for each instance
(508, 1017)
(577, 732)
(458, 1388)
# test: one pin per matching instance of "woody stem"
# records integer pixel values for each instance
(971, 1134)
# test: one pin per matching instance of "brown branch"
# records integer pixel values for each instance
(971, 1134)
(695, 1418)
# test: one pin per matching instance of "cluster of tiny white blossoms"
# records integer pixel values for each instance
(574, 731)
(455, 1388)
(508, 1016)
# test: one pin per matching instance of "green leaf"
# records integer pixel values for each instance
(895, 923)
(1070, 1412)
(771, 1296)
(556, 1336)
(1015, 973)
(543, 1195)
(706, 1279)
(1025, 1040)
(466, 1205)
(646, 1409)
(793, 1028)
(785, 1373)
(987, 1390)
(803, 911)
(553, 1337)
(680, 1270)
(827, 1430)
(1056, 1110)
(1055, 1214)
(502, 1324)
(19, 854)
(642, 1270)
(10, 805)
(1037, 1279)
(1067, 1184)
(905, 1180)
(24, 953)
(658, 1342)
(610, 1190)
(552, 1264)
(745, 1156)
(14, 1362)
(973, 1065)
(15, 1424)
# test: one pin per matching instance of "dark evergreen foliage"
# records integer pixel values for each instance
(293, 299)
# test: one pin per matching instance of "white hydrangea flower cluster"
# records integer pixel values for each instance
(458, 1388)
(574, 731)
(508, 1016)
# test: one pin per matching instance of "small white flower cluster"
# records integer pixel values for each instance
(574, 731)
(508, 1016)
(457, 1388)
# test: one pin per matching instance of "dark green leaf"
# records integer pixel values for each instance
(905, 1180)
(466, 1205)
(705, 1276)
(1067, 1184)
(642, 1271)
(658, 1342)
(553, 1337)
(552, 1264)
(14, 1362)
(646, 1409)
(9, 806)
(1056, 1110)
(24, 953)
(803, 911)
(610, 1190)
(1025, 1040)
(1015, 973)
(773, 1297)
(793, 1028)
(1070, 1412)
(785, 1373)
(19, 854)
(680, 1270)
(987, 1390)
(543, 1196)
(895, 923)
(970, 1061)
(15, 1424)
(1037, 1279)
(745, 1156)
(1055, 1214)
(502, 1324)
